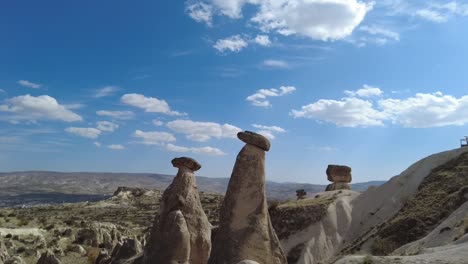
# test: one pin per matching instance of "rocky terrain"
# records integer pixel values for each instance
(17, 188)
(419, 216)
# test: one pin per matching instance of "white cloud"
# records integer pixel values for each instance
(423, 110)
(440, 12)
(201, 150)
(378, 34)
(32, 108)
(234, 44)
(124, 115)
(200, 12)
(106, 126)
(427, 110)
(432, 15)
(269, 131)
(328, 149)
(366, 91)
(97, 144)
(276, 64)
(154, 138)
(316, 19)
(260, 97)
(29, 84)
(149, 104)
(262, 40)
(105, 91)
(270, 128)
(203, 131)
(348, 112)
(158, 122)
(87, 132)
(116, 147)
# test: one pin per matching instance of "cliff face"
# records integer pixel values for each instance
(380, 220)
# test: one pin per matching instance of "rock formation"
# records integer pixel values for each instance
(245, 231)
(48, 257)
(181, 233)
(340, 176)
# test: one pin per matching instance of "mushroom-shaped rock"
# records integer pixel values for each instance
(48, 257)
(189, 163)
(180, 204)
(255, 139)
(339, 173)
(245, 231)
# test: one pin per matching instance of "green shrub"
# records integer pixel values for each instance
(367, 260)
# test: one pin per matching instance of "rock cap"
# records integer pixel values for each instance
(186, 162)
(339, 173)
(254, 139)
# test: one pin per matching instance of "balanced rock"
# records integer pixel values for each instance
(48, 257)
(245, 231)
(181, 212)
(255, 139)
(339, 173)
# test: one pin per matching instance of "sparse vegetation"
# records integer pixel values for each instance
(440, 193)
(367, 260)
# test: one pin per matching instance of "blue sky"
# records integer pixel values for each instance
(125, 87)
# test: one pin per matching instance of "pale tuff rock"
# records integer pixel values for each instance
(248, 262)
(182, 228)
(48, 257)
(245, 230)
(15, 260)
(338, 186)
(339, 173)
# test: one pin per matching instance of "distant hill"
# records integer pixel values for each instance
(94, 183)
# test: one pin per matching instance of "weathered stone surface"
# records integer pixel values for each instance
(48, 257)
(126, 249)
(15, 260)
(245, 231)
(339, 173)
(180, 203)
(103, 257)
(77, 249)
(98, 235)
(248, 262)
(338, 186)
(189, 163)
(3, 253)
(255, 139)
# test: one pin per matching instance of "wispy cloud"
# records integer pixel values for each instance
(276, 64)
(106, 126)
(86, 132)
(203, 131)
(123, 115)
(149, 104)
(116, 147)
(105, 91)
(154, 137)
(198, 150)
(269, 131)
(234, 44)
(260, 98)
(28, 84)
